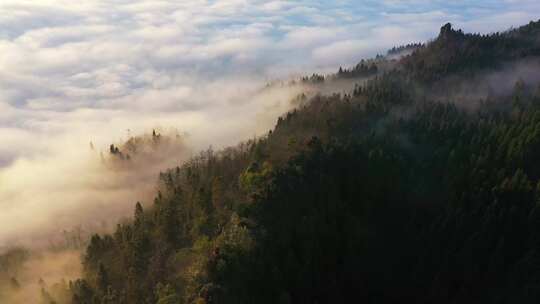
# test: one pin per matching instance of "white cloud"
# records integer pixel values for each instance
(75, 71)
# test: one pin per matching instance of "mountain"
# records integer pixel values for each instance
(456, 52)
(421, 185)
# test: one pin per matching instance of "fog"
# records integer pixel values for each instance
(39, 275)
(68, 184)
(101, 71)
(469, 92)
(76, 77)
(70, 181)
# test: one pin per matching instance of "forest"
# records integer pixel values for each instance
(421, 184)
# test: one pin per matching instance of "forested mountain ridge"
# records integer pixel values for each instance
(385, 194)
(454, 51)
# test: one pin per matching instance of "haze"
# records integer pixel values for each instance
(100, 71)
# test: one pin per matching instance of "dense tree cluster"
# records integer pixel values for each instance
(404, 49)
(362, 69)
(381, 195)
(453, 52)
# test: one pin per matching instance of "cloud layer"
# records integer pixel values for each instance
(72, 72)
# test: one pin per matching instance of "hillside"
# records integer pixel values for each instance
(420, 185)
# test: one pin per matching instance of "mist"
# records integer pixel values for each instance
(35, 276)
(104, 71)
(490, 85)
(70, 186)
(78, 77)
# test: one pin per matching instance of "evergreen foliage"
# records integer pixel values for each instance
(381, 195)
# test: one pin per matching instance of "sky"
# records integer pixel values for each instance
(74, 72)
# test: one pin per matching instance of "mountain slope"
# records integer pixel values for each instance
(382, 195)
(453, 51)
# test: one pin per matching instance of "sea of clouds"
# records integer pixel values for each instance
(75, 72)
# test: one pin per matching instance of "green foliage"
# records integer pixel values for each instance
(456, 52)
(381, 195)
(166, 294)
(363, 69)
(255, 176)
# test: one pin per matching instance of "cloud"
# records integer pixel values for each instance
(99, 71)
(74, 72)
(47, 270)
(51, 180)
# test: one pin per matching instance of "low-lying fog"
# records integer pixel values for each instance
(76, 77)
